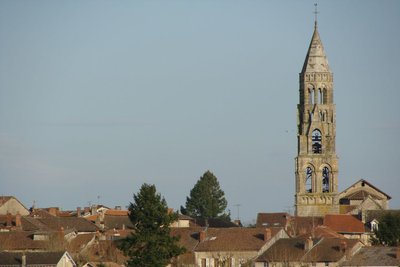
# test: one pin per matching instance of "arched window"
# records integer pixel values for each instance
(308, 184)
(325, 179)
(316, 142)
(320, 98)
(311, 95)
(325, 96)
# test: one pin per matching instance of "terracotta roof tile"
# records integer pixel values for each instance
(213, 223)
(80, 242)
(189, 237)
(117, 222)
(53, 223)
(278, 219)
(303, 225)
(20, 240)
(234, 239)
(284, 250)
(344, 223)
(32, 258)
(330, 250)
(294, 250)
(375, 256)
(105, 264)
(322, 231)
(117, 212)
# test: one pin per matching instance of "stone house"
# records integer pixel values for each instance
(11, 205)
(362, 196)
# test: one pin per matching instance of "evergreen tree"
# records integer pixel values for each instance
(150, 244)
(206, 200)
(388, 232)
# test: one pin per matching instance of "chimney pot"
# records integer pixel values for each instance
(23, 260)
(267, 234)
(78, 212)
(9, 219)
(18, 220)
(202, 236)
(343, 246)
(86, 210)
(308, 244)
(53, 211)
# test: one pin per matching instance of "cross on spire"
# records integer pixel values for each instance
(316, 15)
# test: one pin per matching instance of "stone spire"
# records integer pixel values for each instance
(316, 162)
(316, 60)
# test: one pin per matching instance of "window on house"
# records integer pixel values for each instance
(325, 179)
(316, 141)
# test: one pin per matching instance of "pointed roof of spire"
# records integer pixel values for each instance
(316, 60)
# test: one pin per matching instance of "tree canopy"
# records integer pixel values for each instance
(150, 244)
(206, 199)
(388, 232)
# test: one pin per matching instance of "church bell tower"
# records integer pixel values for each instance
(316, 164)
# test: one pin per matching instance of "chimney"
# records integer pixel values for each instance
(78, 212)
(23, 260)
(53, 211)
(9, 220)
(238, 223)
(346, 251)
(202, 235)
(267, 234)
(94, 209)
(343, 246)
(86, 210)
(18, 220)
(118, 207)
(308, 244)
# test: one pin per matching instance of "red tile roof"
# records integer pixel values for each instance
(78, 243)
(322, 231)
(234, 239)
(287, 250)
(303, 225)
(117, 212)
(20, 241)
(32, 258)
(375, 256)
(277, 219)
(284, 250)
(330, 250)
(344, 223)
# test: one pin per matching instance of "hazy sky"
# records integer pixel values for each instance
(99, 97)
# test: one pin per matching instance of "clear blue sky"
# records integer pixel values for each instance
(99, 97)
